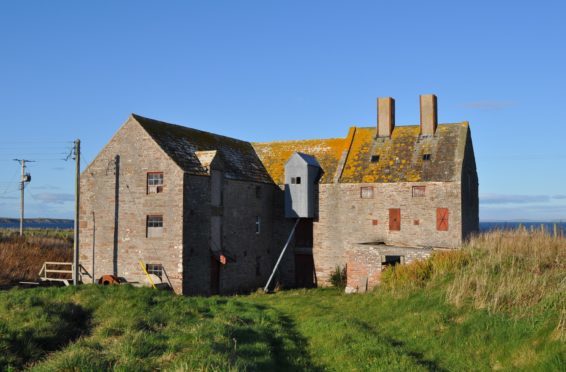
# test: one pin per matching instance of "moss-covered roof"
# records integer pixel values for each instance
(349, 160)
(274, 155)
(345, 160)
(181, 143)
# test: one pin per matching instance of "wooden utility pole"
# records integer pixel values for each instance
(77, 158)
(26, 178)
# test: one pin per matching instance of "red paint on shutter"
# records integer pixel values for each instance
(394, 219)
(442, 219)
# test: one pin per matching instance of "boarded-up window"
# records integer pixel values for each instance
(366, 192)
(154, 182)
(442, 219)
(154, 226)
(419, 191)
(394, 219)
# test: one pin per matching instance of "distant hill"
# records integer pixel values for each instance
(37, 223)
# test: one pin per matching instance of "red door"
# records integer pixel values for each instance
(442, 219)
(394, 219)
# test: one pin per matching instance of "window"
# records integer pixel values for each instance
(257, 225)
(442, 219)
(258, 192)
(296, 180)
(419, 191)
(366, 192)
(154, 182)
(154, 226)
(375, 158)
(426, 157)
(392, 260)
(155, 269)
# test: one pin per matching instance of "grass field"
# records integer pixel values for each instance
(465, 310)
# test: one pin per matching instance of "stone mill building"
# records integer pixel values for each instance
(210, 214)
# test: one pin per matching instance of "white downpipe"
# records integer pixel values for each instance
(266, 288)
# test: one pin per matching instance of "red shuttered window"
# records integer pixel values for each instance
(442, 219)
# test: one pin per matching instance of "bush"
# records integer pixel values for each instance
(338, 277)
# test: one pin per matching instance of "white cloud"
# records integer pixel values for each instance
(54, 198)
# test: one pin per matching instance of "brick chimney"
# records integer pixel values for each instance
(429, 120)
(385, 116)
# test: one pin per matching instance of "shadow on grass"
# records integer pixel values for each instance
(276, 346)
(416, 356)
(54, 327)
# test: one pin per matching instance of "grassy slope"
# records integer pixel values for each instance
(455, 312)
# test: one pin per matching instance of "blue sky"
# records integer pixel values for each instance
(273, 70)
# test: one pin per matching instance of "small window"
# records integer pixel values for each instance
(258, 225)
(375, 158)
(154, 226)
(155, 269)
(426, 157)
(419, 191)
(392, 260)
(154, 182)
(296, 180)
(258, 192)
(366, 192)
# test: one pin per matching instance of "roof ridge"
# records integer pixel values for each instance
(300, 140)
(164, 123)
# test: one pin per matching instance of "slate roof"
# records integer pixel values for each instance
(348, 160)
(344, 160)
(180, 143)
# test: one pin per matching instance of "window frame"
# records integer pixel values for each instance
(418, 191)
(257, 225)
(369, 189)
(151, 184)
(155, 269)
(148, 228)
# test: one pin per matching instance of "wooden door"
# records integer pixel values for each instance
(442, 219)
(214, 276)
(304, 271)
(394, 219)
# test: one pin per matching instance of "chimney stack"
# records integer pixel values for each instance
(385, 116)
(429, 120)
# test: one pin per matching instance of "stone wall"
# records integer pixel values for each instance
(364, 263)
(345, 219)
(115, 205)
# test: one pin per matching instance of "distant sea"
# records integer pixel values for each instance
(37, 223)
(50, 223)
(548, 226)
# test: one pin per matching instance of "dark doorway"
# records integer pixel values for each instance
(303, 234)
(214, 276)
(305, 276)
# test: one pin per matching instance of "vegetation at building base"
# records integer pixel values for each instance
(463, 310)
(338, 277)
(21, 258)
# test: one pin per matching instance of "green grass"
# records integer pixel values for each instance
(466, 310)
(125, 328)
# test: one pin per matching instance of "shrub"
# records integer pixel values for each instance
(338, 277)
